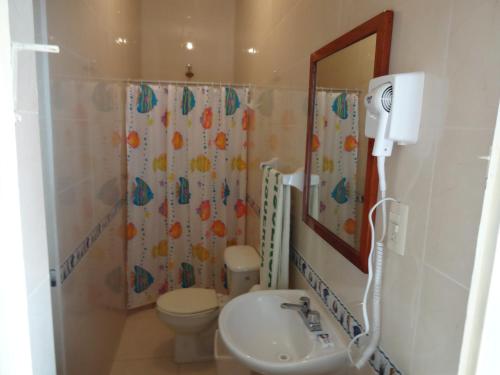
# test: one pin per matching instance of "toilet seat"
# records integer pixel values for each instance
(188, 301)
(192, 313)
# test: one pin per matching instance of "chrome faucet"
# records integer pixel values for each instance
(310, 317)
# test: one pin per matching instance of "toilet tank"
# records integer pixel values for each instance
(242, 264)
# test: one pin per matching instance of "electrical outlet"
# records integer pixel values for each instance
(396, 227)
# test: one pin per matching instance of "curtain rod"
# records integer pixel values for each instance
(193, 83)
(250, 85)
(129, 80)
(338, 89)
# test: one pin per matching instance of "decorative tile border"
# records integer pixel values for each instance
(70, 263)
(379, 361)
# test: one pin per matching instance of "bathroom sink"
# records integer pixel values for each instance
(272, 340)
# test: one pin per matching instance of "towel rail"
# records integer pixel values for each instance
(295, 179)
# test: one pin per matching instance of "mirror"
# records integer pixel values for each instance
(336, 206)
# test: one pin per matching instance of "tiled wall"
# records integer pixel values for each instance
(104, 43)
(441, 178)
(166, 27)
(31, 189)
(87, 123)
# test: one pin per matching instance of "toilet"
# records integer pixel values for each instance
(192, 312)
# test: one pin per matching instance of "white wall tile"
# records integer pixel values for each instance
(89, 158)
(93, 305)
(35, 249)
(168, 25)
(473, 61)
(32, 202)
(439, 327)
(41, 328)
(457, 195)
(401, 288)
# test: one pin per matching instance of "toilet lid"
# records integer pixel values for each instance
(188, 301)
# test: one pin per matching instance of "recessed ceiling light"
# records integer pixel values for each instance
(252, 51)
(121, 41)
(189, 46)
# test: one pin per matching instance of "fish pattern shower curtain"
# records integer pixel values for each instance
(186, 163)
(335, 160)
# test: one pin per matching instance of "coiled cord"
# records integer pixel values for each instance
(373, 274)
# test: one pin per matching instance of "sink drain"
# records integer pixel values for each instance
(284, 357)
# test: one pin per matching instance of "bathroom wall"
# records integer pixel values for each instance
(441, 178)
(103, 43)
(31, 191)
(168, 25)
(85, 169)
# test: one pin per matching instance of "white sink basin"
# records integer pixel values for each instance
(272, 340)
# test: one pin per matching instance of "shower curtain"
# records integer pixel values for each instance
(335, 159)
(186, 163)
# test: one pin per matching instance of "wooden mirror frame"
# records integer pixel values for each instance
(382, 26)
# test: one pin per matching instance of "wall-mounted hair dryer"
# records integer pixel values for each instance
(393, 107)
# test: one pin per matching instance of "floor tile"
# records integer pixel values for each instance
(201, 368)
(146, 348)
(145, 336)
(148, 366)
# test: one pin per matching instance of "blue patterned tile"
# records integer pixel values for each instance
(70, 263)
(379, 362)
(253, 205)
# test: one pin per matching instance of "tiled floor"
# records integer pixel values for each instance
(146, 348)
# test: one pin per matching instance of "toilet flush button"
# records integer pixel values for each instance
(396, 227)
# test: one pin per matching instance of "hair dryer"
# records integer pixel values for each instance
(393, 107)
(378, 106)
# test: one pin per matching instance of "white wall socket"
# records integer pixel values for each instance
(396, 227)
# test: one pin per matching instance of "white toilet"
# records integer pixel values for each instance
(192, 312)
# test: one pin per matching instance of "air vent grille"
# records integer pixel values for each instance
(387, 99)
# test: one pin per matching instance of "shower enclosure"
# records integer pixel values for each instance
(144, 182)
